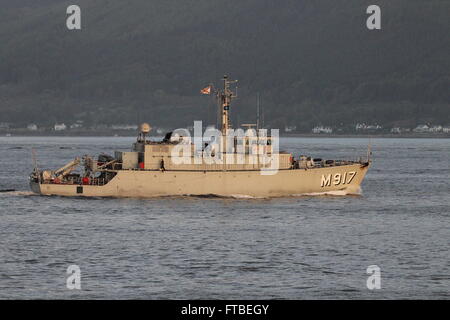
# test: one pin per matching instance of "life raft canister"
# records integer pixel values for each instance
(141, 165)
(85, 180)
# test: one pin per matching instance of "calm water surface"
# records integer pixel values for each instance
(197, 248)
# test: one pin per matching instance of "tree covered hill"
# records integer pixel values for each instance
(313, 62)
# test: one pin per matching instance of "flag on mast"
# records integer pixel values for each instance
(206, 90)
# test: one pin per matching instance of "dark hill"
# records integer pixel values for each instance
(312, 61)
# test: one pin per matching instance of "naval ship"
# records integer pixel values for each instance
(230, 163)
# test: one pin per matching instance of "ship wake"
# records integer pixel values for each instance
(9, 192)
(346, 192)
(218, 196)
(334, 193)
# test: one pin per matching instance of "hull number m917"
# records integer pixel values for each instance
(337, 179)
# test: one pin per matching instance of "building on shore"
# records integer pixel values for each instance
(124, 127)
(290, 128)
(321, 129)
(60, 127)
(422, 128)
(368, 127)
(77, 125)
(436, 129)
(399, 130)
(4, 126)
(32, 127)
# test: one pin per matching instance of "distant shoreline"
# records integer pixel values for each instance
(381, 135)
(132, 133)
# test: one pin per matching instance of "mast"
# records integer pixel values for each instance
(225, 98)
(35, 165)
(257, 112)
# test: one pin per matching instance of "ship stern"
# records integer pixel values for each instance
(35, 187)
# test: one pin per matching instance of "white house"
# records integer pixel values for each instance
(60, 127)
(78, 124)
(321, 129)
(363, 126)
(124, 127)
(436, 129)
(421, 128)
(290, 128)
(32, 127)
